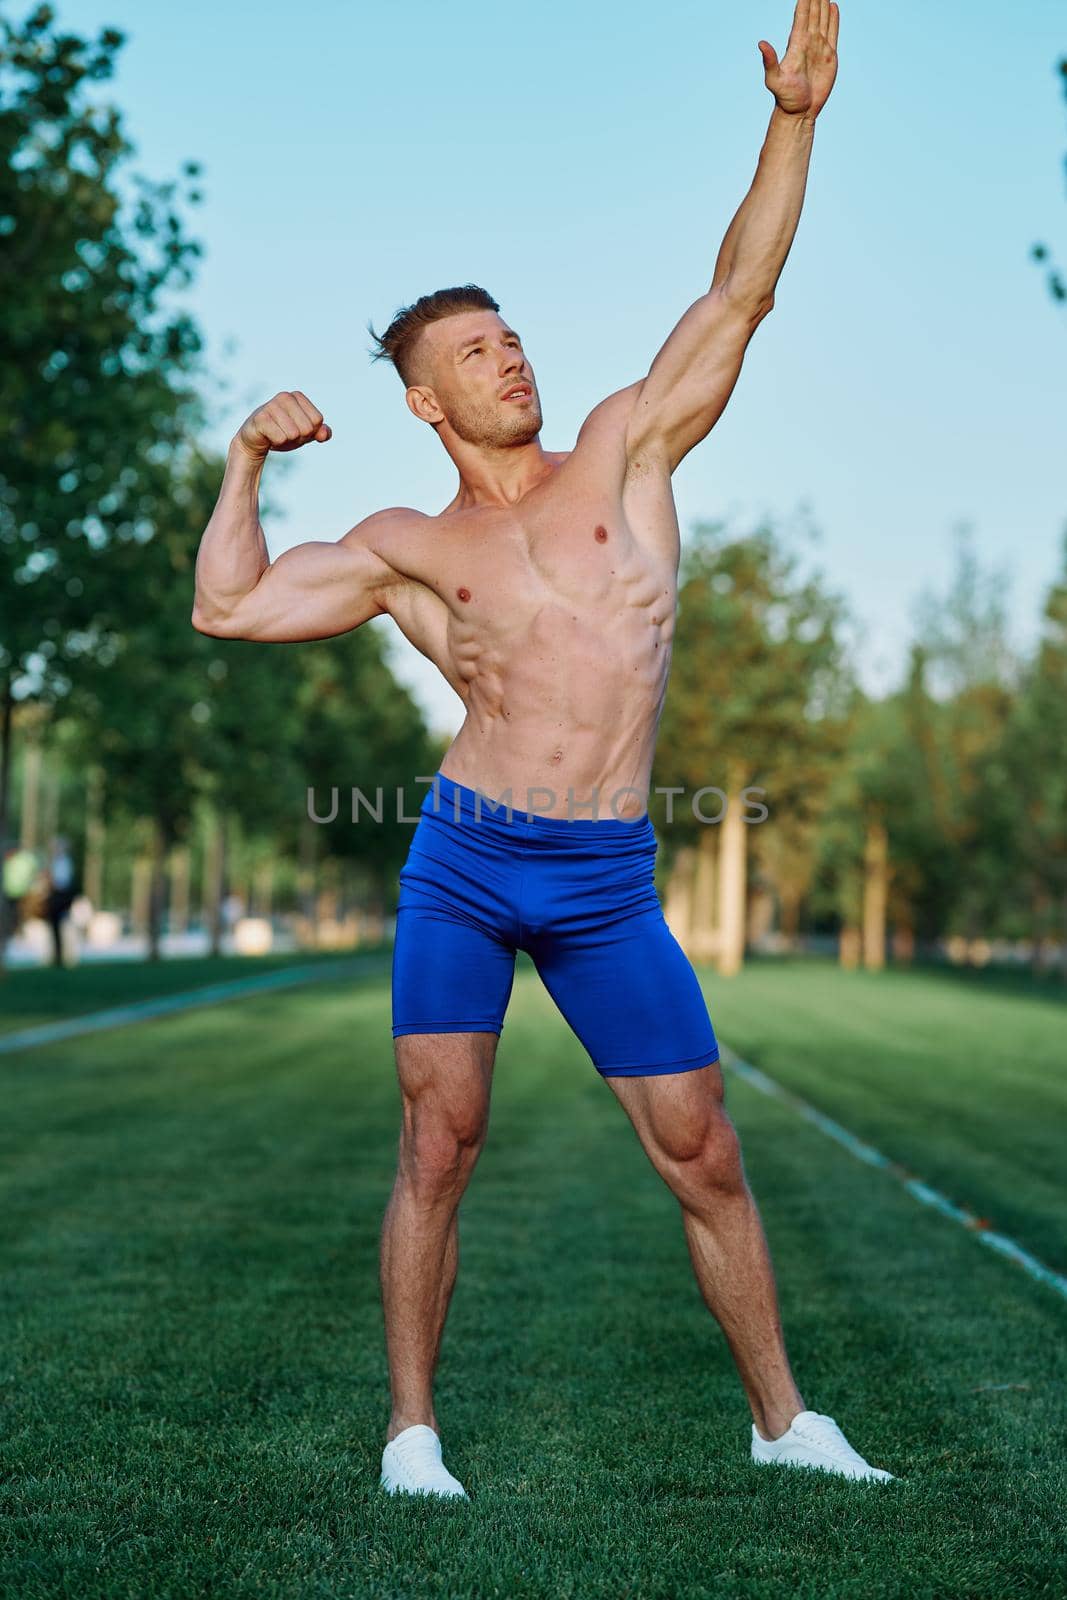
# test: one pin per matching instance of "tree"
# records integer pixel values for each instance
(358, 727)
(963, 643)
(759, 687)
(178, 721)
(92, 387)
(138, 697)
(917, 832)
(1037, 769)
(879, 799)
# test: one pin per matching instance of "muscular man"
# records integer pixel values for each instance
(545, 593)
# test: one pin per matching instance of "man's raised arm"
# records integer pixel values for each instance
(694, 374)
(313, 591)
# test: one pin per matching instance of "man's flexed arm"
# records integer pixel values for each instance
(694, 374)
(313, 591)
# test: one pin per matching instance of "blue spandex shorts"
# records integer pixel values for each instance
(579, 897)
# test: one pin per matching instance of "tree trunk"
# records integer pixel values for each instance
(263, 890)
(215, 880)
(789, 915)
(29, 833)
(848, 947)
(93, 875)
(733, 847)
(875, 896)
(50, 796)
(678, 900)
(180, 868)
(157, 888)
(702, 932)
(327, 904)
(141, 895)
(306, 879)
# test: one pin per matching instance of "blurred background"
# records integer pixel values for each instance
(204, 206)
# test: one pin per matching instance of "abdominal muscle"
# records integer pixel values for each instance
(562, 711)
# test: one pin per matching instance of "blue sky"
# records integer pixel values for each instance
(582, 161)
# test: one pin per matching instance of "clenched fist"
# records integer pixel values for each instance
(284, 423)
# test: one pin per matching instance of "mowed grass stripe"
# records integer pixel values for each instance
(961, 1082)
(195, 1380)
(915, 1186)
(138, 1011)
(38, 996)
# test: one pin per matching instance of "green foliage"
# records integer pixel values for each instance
(1036, 751)
(934, 763)
(759, 692)
(104, 494)
(759, 677)
(94, 387)
(359, 728)
(174, 716)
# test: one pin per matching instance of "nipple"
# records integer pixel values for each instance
(463, 594)
(600, 534)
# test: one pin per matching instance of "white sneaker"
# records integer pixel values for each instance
(814, 1440)
(411, 1464)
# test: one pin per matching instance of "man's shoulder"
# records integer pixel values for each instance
(603, 445)
(390, 523)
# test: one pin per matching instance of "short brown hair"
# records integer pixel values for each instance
(398, 342)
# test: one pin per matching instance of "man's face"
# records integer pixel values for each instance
(481, 379)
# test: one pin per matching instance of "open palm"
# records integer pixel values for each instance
(802, 80)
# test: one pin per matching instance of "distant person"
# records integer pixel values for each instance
(545, 592)
(60, 894)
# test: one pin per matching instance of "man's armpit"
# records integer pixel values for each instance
(422, 617)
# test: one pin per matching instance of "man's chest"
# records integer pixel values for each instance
(577, 551)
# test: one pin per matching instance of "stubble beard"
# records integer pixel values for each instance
(496, 428)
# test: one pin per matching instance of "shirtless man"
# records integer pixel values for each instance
(545, 593)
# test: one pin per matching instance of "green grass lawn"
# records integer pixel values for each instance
(32, 995)
(961, 1080)
(193, 1373)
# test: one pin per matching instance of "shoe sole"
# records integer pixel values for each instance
(811, 1466)
(391, 1488)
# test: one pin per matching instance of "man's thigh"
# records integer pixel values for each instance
(682, 1123)
(673, 1113)
(630, 994)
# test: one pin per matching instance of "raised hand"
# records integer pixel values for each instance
(284, 423)
(802, 80)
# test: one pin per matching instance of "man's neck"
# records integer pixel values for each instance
(502, 477)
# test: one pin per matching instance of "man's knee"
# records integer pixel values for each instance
(444, 1087)
(439, 1147)
(703, 1161)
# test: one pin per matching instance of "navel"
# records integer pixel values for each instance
(600, 534)
(463, 594)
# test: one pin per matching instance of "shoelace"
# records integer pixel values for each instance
(416, 1449)
(824, 1431)
(421, 1453)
